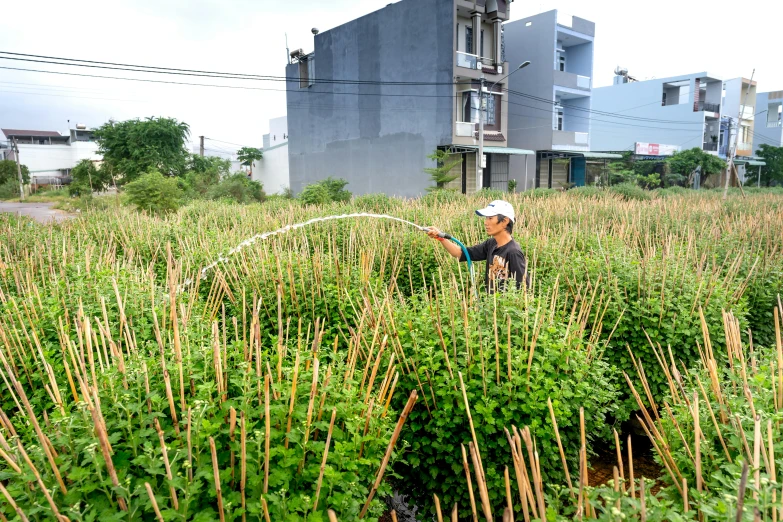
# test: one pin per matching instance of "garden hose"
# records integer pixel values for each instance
(459, 243)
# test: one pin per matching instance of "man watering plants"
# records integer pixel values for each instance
(505, 259)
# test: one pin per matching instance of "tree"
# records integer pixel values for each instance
(87, 178)
(686, 162)
(155, 193)
(247, 155)
(773, 157)
(441, 174)
(9, 172)
(238, 188)
(204, 172)
(131, 148)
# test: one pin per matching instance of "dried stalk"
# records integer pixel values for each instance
(154, 502)
(323, 462)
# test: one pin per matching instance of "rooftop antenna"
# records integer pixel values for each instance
(287, 50)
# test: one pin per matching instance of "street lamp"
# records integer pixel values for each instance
(480, 157)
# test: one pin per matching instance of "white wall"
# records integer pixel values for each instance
(272, 170)
(49, 160)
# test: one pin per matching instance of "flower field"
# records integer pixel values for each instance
(310, 374)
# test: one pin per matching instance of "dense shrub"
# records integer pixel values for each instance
(9, 190)
(238, 188)
(377, 203)
(154, 193)
(588, 192)
(630, 191)
(540, 193)
(564, 369)
(328, 190)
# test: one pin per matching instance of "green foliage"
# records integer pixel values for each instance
(10, 172)
(686, 162)
(9, 189)
(247, 155)
(562, 370)
(588, 192)
(540, 193)
(133, 147)
(773, 170)
(87, 178)
(328, 190)
(512, 185)
(238, 188)
(630, 191)
(154, 193)
(441, 174)
(377, 203)
(492, 194)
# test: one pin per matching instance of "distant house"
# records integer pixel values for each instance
(49, 155)
(272, 169)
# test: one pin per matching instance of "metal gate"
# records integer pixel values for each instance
(499, 171)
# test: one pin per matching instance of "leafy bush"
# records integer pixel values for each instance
(563, 368)
(630, 191)
(671, 191)
(325, 191)
(238, 188)
(512, 185)
(540, 193)
(377, 203)
(87, 178)
(492, 194)
(9, 189)
(154, 193)
(588, 192)
(10, 172)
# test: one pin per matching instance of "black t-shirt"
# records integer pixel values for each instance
(503, 263)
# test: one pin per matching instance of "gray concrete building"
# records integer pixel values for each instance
(380, 93)
(552, 99)
(768, 126)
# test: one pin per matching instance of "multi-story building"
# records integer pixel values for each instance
(738, 111)
(381, 92)
(49, 155)
(552, 98)
(664, 115)
(272, 169)
(768, 126)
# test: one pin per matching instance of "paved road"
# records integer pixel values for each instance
(41, 212)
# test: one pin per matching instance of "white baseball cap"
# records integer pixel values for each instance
(498, 207)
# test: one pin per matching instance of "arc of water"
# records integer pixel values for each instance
(261, 237)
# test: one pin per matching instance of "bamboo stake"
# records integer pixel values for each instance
(267, 423)
(190, 447)
(697, 448)
(13, 505)
(741, 493)
(560, 445)
(643, 504)
(509, 502)
(405, 412)
(480, 483)
(174, 500)
(333, 516)
(685, 503)
(480, 468)
(243, 462)
(323, 462)
(265, 508)
(294, 379)
(630, 469)
(455, 514)
(154, 502)
(216, 474)
(43, 487)
(771, 469)
(470, 485)
(438, 512)
(619, 456)
(757, 455)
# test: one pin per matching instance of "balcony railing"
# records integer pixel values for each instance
(748, 113)
(465, 129)
(469, 61)
(744, 146)
(711, 147)
(709, 107)
(583, 82)
(569, 138)
(771, 124)
(571, 80)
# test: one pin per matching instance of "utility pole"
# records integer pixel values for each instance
(483, 107)
(480, 157)
(201, 147)
(19, 170)
(731, 167)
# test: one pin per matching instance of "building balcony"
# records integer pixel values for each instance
(477, 63)
(708, 107)
(710, 147)
(569, 139)
(465, 129)
(572, 81)
(744, 149)
(772, 124)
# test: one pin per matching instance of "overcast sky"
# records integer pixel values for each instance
(723, 37)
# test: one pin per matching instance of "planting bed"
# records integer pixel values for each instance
(309, 374)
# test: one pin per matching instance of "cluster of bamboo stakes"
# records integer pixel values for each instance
(97, 349)
(715, 394)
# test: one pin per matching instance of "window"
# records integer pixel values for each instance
(562, 62)
(469, 40)
(663, 101)
(311, 71)
(470, 104)
(482, 43)
(558, 118)
(489, 116)
(457, 38)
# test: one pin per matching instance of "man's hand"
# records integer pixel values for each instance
(434, 233)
